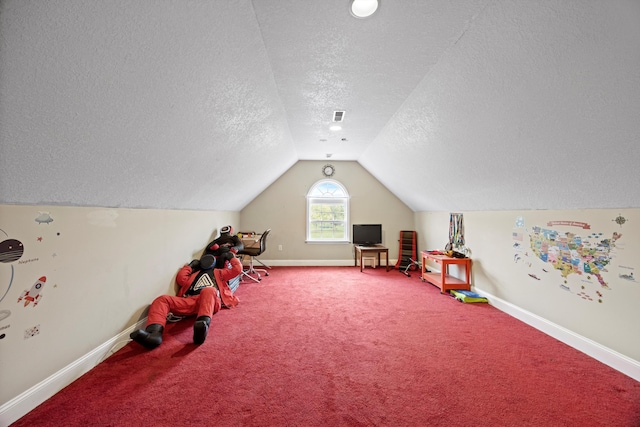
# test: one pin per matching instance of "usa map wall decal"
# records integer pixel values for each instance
(569, 248)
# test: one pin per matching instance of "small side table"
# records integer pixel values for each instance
(371, 260)
(442, 279)
(362, 251)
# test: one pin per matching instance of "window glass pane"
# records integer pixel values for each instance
(327, 212)
(327, 189)
(327, 230)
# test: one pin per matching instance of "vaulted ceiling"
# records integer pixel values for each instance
(452, 105)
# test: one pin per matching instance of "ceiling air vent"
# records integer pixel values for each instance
(338, 116)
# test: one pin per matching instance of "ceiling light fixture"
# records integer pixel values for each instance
(335, 128)
(363, 8)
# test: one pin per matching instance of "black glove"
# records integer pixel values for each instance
(195, 265)
(227, 256)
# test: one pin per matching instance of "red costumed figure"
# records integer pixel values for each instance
(203, 291)
(225, 246)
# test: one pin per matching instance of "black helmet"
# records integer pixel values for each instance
(207, 262)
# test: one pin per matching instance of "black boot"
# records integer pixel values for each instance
(200, 329)
(149, 338)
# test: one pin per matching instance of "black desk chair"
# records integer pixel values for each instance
(253, 253)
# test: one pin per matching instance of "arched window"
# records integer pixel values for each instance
(328, 212)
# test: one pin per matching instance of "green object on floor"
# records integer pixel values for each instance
(467, 296)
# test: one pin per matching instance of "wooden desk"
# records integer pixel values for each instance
(442, 279)
(361, 251)
(251, 242)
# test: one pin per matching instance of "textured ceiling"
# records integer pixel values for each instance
(452, 105)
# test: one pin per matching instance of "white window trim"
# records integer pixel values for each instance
(310, 199)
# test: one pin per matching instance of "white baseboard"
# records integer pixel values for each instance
(25, 402)
(617, 361)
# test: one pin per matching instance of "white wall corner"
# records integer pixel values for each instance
(25, 402)
(617, 361)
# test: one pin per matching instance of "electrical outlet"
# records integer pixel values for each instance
(279, 247)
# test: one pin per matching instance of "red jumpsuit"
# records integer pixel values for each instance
(204, 304)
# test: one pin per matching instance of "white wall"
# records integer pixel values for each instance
(282, 207)
(103, 267)
(506, 266)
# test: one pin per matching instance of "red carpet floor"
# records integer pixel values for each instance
(311, 346)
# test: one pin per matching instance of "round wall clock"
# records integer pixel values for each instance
(328, 170)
